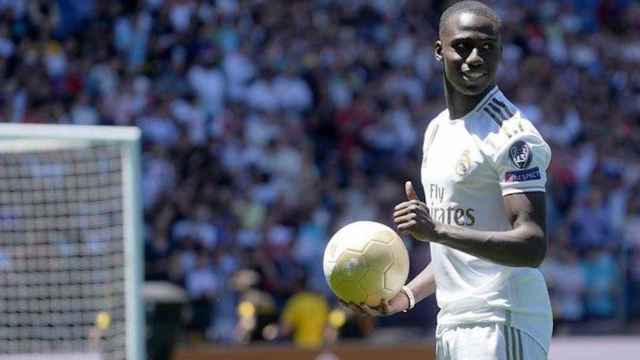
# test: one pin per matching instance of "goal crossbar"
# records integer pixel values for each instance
(71, 132)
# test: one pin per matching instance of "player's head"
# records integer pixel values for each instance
(469, 46)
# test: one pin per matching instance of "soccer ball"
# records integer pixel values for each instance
(366, 262)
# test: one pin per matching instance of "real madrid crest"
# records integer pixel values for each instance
(464, 164)
(520, 154)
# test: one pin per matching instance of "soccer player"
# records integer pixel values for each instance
(484, 174)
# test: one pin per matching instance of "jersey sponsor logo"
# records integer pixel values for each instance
(520, 154)
(453, 215)
(447, 215)
(522, 175)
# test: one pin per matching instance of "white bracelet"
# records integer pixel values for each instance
(412, 299)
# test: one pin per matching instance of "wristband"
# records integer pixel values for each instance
(412, 299)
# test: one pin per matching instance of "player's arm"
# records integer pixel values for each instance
(423, 285)
(524, 245)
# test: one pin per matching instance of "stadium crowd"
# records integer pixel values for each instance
(269, 124)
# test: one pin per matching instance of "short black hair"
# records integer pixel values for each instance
(471, 6)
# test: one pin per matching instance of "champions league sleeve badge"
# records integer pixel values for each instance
(520, 154)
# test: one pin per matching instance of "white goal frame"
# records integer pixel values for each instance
(129, 140)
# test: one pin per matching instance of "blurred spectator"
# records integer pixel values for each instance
(632, 243)
(202, 287)
(603, 279)
(567, 283)
(590, 224)
(305, 317)
(156, 254)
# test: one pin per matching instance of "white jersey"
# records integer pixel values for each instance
(468, 165)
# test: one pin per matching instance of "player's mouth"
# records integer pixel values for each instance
(474, 76)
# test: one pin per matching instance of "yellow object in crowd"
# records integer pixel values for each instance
(306, 313)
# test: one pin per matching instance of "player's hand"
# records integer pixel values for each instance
(398, 303)
(413, 216)
(364, 309)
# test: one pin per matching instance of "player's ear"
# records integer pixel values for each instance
(437, 50)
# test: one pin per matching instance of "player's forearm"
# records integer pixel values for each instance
(423, 285)
(525, 245)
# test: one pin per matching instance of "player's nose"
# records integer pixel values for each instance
(474, 58)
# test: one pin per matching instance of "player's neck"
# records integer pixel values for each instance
(459, 104)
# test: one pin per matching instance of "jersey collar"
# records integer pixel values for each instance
(493, 92)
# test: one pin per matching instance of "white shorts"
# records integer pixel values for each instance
(490, 341)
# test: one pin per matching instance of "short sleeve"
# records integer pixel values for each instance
(522, 164)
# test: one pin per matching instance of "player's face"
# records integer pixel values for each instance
(470, 49)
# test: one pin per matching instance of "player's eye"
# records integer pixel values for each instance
(461, 48)
(487, 46)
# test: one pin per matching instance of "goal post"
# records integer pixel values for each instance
(70, 242)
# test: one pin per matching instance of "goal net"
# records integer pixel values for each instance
(70, 245)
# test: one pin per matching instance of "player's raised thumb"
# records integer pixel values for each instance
(411, 193)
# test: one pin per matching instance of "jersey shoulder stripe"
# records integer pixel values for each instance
(495, 115)
(508, 111)
(498, 110)
(499, 122)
